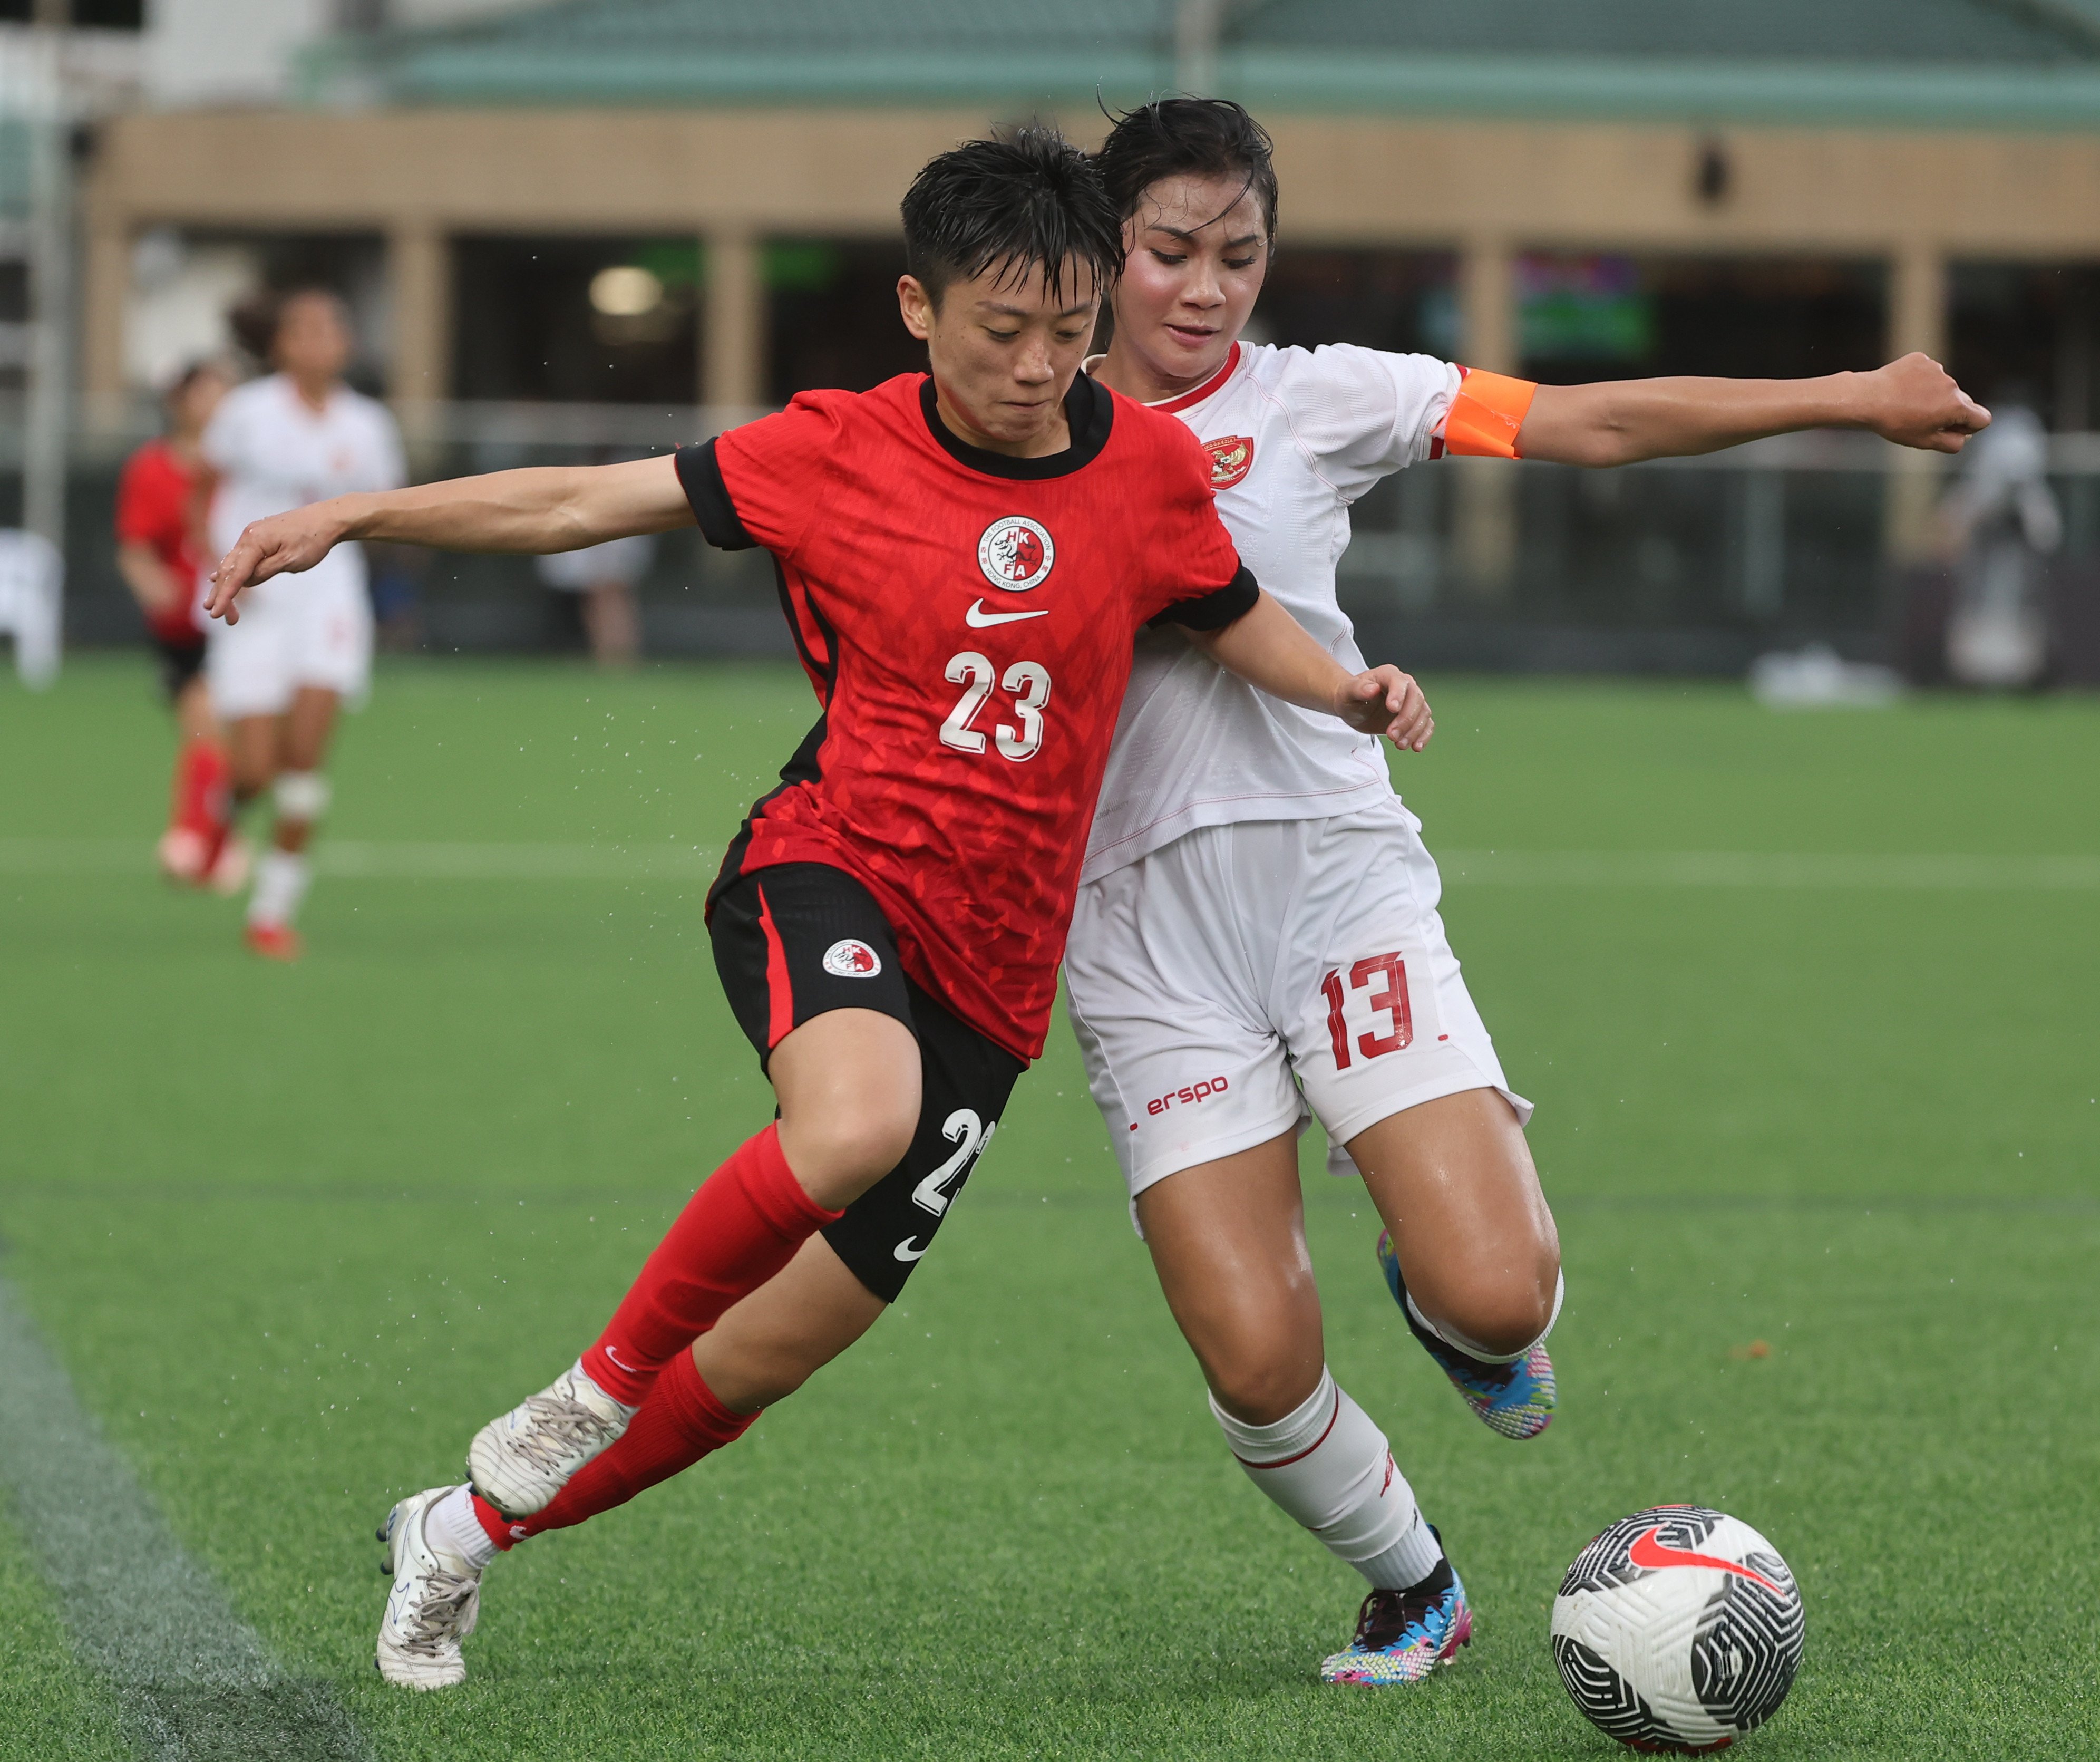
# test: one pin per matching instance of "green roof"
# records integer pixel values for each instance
(2018, 63)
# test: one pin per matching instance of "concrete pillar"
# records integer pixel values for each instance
(419, 270)
(1917, 320)
(733, 355)
(106, 268)
(1484, 529)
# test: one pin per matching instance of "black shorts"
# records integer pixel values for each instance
(180, 663)
(797, 940)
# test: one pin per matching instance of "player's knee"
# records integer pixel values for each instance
(302, 795)
(858, 1138)
(1262, 1387)
(1510, 1311)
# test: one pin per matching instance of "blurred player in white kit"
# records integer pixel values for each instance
(297, 651)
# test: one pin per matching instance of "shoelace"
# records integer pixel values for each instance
(439, 1612)
(559, 1428)
(1387, 1614)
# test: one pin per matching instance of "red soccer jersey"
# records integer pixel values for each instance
(967, 620)
(153, 509)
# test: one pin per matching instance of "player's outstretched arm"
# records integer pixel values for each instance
(552, 508)
(1269, 648)
(1914, 402)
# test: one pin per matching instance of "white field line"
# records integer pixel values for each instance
(482, 862)
(362, 860)
(1768, 870)
(191, 1679)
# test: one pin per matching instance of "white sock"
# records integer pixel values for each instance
(1472, 1349)
(1329, 1465)
(450, 1526)
(280, 884)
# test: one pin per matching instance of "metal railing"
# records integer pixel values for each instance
(1693, 564)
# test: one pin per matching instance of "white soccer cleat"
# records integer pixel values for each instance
(434, 1605)
(521, 1459)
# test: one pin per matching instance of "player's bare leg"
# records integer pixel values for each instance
(1469, 1250)
(847, 1084)
(765, 1347)
(1227, 1238)
(612, 623)
(299, 745)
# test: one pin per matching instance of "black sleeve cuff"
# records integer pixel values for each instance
(1214, 610)
(700, 475)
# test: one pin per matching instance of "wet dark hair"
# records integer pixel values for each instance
(1187, 137)
(1025, 198)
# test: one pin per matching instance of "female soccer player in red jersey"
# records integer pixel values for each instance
(1256, 937)
(156, 555)
(966, 558)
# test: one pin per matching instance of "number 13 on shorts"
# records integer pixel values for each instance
(1371, 1010)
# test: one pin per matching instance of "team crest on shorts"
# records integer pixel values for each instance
(1016, 553)
(852, 960)
(1231, 457)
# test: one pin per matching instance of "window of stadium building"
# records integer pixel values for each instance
(195, 293)
(1600, 315)
(2026, 333)
(832, 317)
(590, 320)
(1399, 300)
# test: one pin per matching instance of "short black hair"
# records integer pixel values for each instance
(1025, 197)
(1187, 137)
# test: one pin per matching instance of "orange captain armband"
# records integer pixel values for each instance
(1484, 417)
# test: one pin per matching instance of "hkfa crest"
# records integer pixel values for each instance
(1016, 553)
(852, 959)
(1231, 456)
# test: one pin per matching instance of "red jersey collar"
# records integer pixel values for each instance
(1173, 406)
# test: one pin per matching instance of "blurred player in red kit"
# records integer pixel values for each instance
(966, 557)
(157, 555)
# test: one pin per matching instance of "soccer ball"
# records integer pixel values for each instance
(1678, 1629)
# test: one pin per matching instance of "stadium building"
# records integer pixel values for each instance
(666, 203)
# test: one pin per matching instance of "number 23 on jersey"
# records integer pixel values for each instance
(1028, 683)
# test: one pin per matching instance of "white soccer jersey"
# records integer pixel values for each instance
(1296, 436)
(273, 452)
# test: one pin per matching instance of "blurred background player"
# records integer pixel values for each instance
(2000, 525)
(277, 677)
(157, 555)
(1256, 937)
(603, 577)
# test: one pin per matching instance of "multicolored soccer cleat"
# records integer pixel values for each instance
(1515, 1399)
(1402, 1636)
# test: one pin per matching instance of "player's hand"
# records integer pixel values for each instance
(1915, 402)
(283, 545)
(1386, 701)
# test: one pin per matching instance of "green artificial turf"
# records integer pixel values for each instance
(294, 1233)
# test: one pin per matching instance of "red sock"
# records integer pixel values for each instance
(201, 771)
(680, 1422)
(741, 1228)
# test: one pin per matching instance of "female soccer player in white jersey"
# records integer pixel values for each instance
(1257, 936)
(278, 676)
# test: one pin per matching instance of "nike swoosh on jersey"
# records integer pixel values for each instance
(978, 618)
(904, 1251)
(1647, 1552)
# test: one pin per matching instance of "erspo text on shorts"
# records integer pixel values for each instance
(1188, 1095)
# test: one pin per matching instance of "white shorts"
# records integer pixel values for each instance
(1228, 988)
(311, 629)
